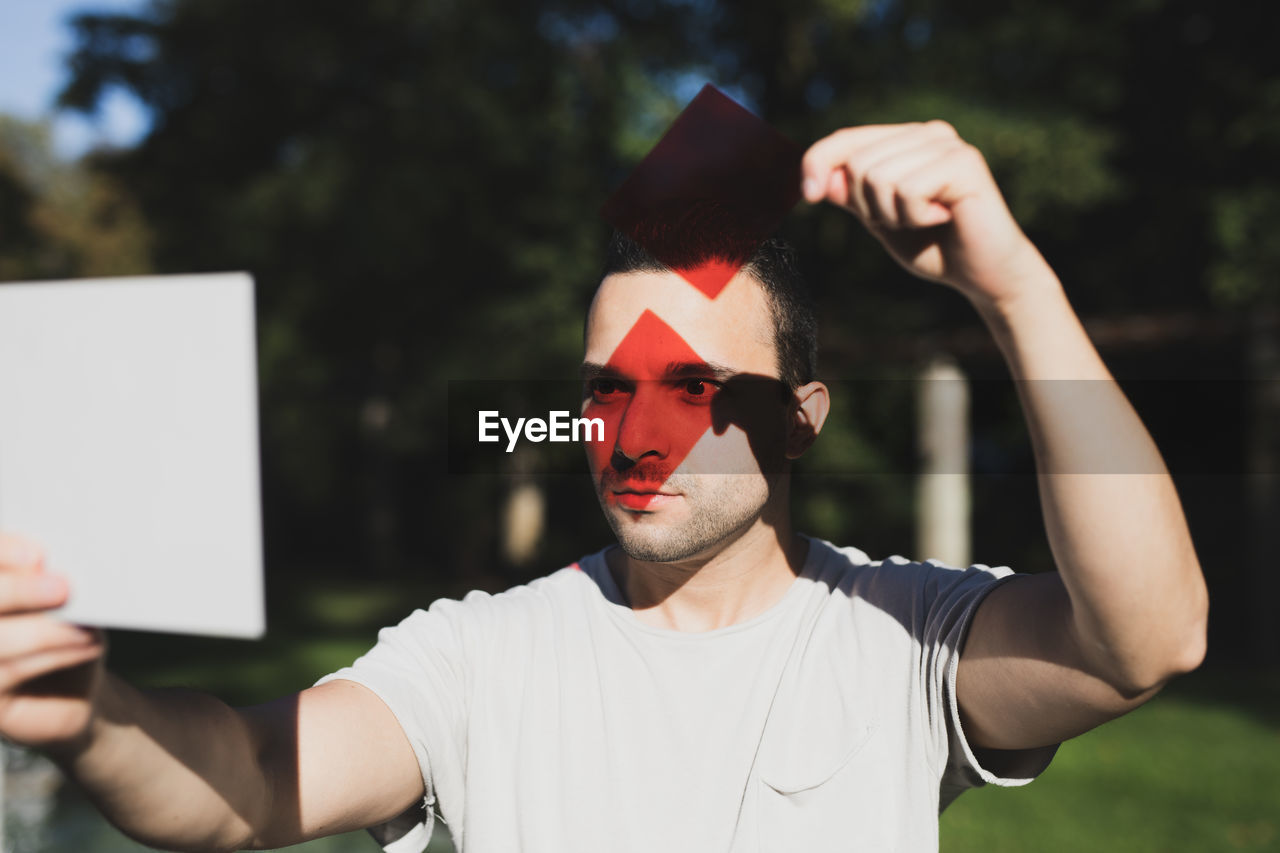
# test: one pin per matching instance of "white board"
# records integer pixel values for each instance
(129, 447)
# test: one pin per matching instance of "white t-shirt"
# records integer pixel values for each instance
(549, 719)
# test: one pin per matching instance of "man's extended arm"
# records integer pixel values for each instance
(180, 770)
(1048, 656)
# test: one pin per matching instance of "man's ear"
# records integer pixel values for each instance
(809, 406)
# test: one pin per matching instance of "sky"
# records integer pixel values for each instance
(35, 39)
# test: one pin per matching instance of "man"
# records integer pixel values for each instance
(717, 682)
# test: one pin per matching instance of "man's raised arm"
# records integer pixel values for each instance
(180, 770)
(1047, 656)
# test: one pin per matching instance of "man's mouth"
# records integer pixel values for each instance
(642, 499)
(641, 488)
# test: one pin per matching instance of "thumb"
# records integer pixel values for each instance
(21, 555)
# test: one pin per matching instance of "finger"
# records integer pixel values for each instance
(829, 154)
(837, 189)
(916, 211)
(21, 593)
(941, 183)
(845, 147)
(30, 667)
(20, 554)
(879, 180)
(873, 193)
(34, 633)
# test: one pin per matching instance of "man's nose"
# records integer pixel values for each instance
(644, 429)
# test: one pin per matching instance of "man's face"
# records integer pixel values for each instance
(694, 413)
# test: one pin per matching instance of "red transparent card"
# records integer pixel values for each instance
(719, 171)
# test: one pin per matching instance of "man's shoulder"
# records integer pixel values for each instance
(851, 571)
(826, 557)
(570, 579)
(568, 584)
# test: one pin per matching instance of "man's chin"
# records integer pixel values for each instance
(646, 536)
(649, 551)
(650, 539)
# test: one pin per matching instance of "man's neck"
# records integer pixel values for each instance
(742, 580)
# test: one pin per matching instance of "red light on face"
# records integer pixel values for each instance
(711, 277)
(650, 419)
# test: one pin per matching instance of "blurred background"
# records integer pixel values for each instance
(415, 186)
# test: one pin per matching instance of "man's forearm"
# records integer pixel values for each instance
(1113, 518)
(174, 769)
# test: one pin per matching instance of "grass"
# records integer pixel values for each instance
(1193, 770)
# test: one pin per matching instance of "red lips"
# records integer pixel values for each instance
(643, 500)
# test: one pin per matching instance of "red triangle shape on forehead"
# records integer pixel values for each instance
(716, 185)
(649, 347)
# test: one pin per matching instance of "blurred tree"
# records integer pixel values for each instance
(415, 185)
(19, 244)
(60, 220)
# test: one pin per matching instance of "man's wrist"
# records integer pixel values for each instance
(70, 752)
(66, 754)
(1025, 294)
(1039, 333)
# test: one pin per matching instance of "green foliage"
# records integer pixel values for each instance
(1248, 269)
(415, 186)
(60, 220)
(1047, 161)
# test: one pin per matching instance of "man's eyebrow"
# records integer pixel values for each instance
(674, 370)
(593, 370)
(700, 370)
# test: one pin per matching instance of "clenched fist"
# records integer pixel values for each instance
(929, 198)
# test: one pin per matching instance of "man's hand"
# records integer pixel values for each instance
(181, 770)
(929, 198)
(49, 670)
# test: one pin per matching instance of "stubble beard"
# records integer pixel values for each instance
(718, 508)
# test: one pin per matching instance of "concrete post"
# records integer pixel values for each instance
(942, 498)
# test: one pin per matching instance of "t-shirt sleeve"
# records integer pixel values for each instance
(419, 668)
(951, 600)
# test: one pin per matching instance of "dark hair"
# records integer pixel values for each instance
(772, 263)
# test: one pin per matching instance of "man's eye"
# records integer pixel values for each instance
(700, 388)
(604, 389)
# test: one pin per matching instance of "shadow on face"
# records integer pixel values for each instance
(763, 408)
